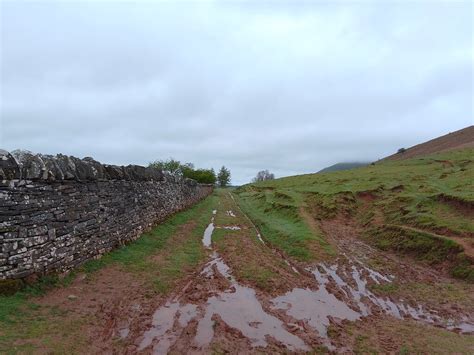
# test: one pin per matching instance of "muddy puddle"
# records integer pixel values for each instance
(314, 307)
(353, 282)
(206, 238)
(340, 292)
(237, 306)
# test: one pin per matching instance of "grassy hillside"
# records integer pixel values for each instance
(461, 139)
(422, 207)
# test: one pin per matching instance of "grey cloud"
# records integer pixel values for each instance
(282, 85)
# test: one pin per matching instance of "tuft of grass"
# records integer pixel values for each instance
(408, 336)
(258, 275)
(11, 305)
(251, 262)
(10, 287)
(251, 271)
(185, 256)
(282, 225)
(134, 256)
(21, 318)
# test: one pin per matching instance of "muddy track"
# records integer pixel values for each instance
(219, 312)
(246, 296)
(111, 305)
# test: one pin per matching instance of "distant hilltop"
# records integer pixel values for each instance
(343, 166)
(464, 138)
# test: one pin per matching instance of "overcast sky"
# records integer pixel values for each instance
(289, 86)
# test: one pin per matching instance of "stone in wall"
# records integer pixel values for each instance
(9, 169)
(56, 212)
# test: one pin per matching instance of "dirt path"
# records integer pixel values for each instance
(113, 305)
(244, 296)
(248, 299)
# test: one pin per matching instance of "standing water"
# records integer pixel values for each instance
(238, 307)
(206, 238)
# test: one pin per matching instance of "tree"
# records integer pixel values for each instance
(174, 167)
(223, 178)
(263, 175)
(187, 169)
(203, 176)
(171, 165)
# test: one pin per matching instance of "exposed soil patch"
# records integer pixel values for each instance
(464, 207)
(108, 299)
(446, 163)
(367, 196)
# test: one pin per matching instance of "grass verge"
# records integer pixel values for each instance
(282, 225)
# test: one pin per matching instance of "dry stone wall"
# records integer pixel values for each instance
(56, 212)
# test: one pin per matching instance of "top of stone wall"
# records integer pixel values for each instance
(25, 165)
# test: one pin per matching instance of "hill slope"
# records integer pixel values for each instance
(410, 221)
(342, 166)
(395, 203)
(464, 138)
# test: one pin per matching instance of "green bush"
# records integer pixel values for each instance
(175, 167)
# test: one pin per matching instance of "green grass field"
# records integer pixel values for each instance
(433, 195)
